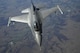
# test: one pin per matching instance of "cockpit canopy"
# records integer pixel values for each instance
(36, 26)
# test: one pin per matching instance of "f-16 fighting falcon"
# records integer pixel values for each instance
(34, 17)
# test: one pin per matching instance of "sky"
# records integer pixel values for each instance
(61, 33)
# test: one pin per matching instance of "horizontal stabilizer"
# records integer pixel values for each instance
(26, 10)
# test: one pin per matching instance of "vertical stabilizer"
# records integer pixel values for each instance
(33, 6)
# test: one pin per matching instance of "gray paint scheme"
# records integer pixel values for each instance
(33, 17)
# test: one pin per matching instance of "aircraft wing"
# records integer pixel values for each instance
(47, 12)
(21, 18)
(27, 10)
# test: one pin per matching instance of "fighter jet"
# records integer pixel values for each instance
(34, 16)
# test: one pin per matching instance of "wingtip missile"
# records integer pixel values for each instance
(9, 21)
(59, 9)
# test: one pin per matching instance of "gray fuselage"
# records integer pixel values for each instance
(36, 25)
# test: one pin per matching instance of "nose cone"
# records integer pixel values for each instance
(38, 38)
